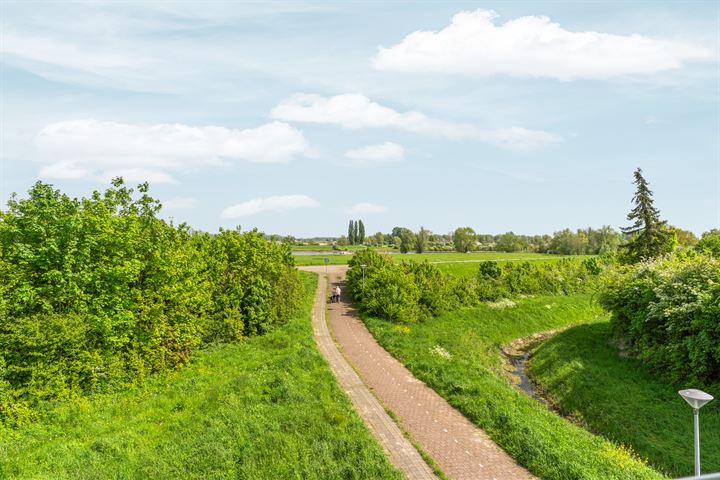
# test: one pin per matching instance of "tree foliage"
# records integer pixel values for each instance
(361, 232)
(710, 243)
(464, 239)
(414, 291)
(668, 310)
(97, 293)
(650, 237)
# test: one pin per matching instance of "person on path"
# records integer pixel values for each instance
(337, 293)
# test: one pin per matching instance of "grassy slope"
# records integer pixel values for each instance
(620, 399)
(550, 446)
(265, 409)
(430, 257)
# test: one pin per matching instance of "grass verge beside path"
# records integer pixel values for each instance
(268, 408)
(458, 355)
(617, 397)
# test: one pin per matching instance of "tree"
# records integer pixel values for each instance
(464, 239)
(604, 240)
(351, 233)
(361, 232)
(421, 240)
(509, 242)
(710, 243)
(407, 241)
(650, 237)
(685, 238)
(356, 233)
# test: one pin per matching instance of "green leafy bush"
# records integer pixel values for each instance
(412, 291)
(97, 293)
(562, 277)
(668, 310)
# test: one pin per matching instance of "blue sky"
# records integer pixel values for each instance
(294, 117)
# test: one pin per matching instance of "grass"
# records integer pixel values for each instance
(470, 268)
(472, 381)
(471, 258)
(619, 398)
(268, 408)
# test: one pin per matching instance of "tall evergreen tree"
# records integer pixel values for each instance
(351, 233)
(356, 234)
(361, 232)
(649, 236)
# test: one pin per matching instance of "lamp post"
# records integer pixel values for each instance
(363, 267)
(696, 399)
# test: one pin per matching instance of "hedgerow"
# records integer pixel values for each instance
(668, 311)
(98, 293)
(412, 291)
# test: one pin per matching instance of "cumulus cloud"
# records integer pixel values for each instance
(95, 149)
(532, 46)
(353, 110)
(380, 153)
(367, 208)
(269, 204)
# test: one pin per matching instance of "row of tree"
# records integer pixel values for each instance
(356, 233)
(647, 237)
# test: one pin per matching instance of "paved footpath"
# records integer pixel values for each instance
(461, 449)
(401, 452)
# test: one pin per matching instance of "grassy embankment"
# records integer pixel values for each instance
(267, 408)
(471, 379)
(471, 258)
(618, 398)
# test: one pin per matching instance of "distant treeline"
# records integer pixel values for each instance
(585, 241)
(97, 293)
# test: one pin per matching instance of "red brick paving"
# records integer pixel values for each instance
(462, 450)
(401, 452)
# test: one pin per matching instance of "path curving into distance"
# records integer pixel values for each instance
(401, 452)
(460, 449)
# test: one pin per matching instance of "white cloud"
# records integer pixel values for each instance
(532, 46)
(367, 208)
(95, 149)
(87, 58)
(380, 153)
(353, 110)
(269, 204)
(179, 203)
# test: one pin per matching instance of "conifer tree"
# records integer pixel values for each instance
(361, 232)
(356, 235)
(649, 236)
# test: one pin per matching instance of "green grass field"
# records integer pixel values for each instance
(472, 381)
(620, 399)
(268, 408)
(471, 258)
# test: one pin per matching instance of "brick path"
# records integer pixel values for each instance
(461, 449)
(401, 452)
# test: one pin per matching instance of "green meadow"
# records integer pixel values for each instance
(472, 258)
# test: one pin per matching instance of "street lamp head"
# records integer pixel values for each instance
(695, 398)
(363, 266)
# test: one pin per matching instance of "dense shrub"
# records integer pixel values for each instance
(412, 291)
(668, 310)
(709, 243)
(561, 277)
(97, 293)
